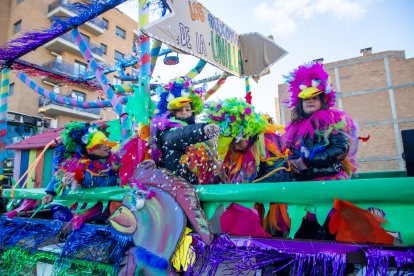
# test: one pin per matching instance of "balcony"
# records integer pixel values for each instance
(65, 68)
(63, 109)
(65, 43)
(60, 8)
(70, 71)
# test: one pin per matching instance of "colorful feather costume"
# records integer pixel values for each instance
(193, 159)
(238, 120)
(307, 81)
(72, 158)
(327, 141)
(321, 124)
(76, 169)
(264, 160)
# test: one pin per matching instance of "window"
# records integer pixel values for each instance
(80, 68)
(116, 80)
(87, 38)
(118, 55)
(105, 23)
(11, 89)
(17, 27)
(56, 89)
(19, 1)
(120, 32)
(77, 95)
(135, 47)
(104, 48)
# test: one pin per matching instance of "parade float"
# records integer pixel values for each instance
(147, 233)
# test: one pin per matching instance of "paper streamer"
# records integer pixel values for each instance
(116, 102)
(123, 88)
(34, 39)
(155, 51)
(4, 93)
(144, 56)
(248, 96)
(196, 70)
(59, 99)
(217, 86)
(100, 76)
(143, 40)
(5, 85)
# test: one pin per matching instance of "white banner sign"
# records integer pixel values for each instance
(191, 28)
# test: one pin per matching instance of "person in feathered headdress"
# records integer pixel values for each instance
(176, 137)
(84, 160)
(247, 145)
(323, 143)
(323, 140)
(249, 150)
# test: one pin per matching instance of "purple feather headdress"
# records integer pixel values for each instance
(308, 75)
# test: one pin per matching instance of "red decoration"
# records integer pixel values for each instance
(136, 151)
(364, 139)
(248, 97)
(353, 224)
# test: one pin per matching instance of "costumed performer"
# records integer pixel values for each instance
(84, 160)
(177, 141)
(249, 150)
(323, 142)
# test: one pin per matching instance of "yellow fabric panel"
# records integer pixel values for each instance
(31, 176)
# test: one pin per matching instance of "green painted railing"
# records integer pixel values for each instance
(394, 195)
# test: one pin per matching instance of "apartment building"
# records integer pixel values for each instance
(377, 90)
(110, 37)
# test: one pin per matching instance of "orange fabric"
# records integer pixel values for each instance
(144, 132)
(39, 170)
(277, 219)
(232, 165)
(113, 205)
(353, 224)
(284, 213)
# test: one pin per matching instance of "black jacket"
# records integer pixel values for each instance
(326, 160)
(273, 172)
(173, 144)
(267, 173)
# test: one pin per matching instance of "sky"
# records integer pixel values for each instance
(307, 29)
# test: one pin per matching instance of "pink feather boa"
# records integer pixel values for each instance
(320, 121)
(318, 124)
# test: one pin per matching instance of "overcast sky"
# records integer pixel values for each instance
(307, 29)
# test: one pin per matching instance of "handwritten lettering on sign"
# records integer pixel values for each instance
(225, 45)
(196, 11)
(201, 45)
(191, 28)
(184, 38)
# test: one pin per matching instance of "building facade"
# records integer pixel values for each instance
(377, 90)
(110, 37)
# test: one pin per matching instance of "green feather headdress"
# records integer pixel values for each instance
(236, 118)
